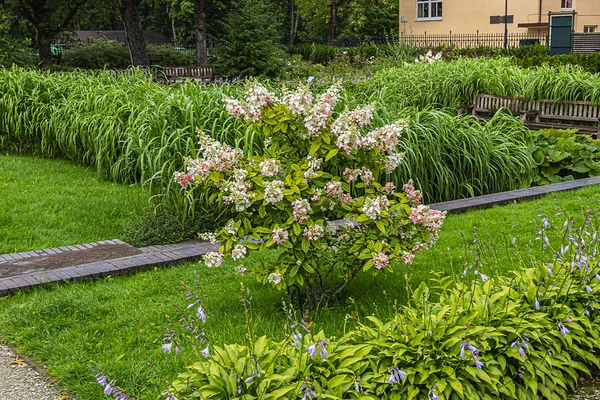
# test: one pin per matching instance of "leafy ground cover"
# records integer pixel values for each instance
(117, 324)
(49, 203)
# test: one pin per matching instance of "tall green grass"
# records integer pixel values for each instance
(135, 131)
(452, 84)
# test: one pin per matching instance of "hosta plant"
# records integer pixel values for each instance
(315, 169)
(530, 335)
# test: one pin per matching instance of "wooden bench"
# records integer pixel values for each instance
(538, 114)
(180, 74)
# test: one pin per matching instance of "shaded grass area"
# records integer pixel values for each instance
(117, 324)
(49, 203)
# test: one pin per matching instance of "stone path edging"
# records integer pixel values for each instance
(154, 256)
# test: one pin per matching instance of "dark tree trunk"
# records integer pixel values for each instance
(332, 21)
(45, 52)
(135, 35)
(200, 31)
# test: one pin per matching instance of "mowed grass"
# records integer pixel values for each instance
(116, 324)
(48, 203)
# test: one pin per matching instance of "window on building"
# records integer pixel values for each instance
(567, 4)
(429, 9)
(590, 29)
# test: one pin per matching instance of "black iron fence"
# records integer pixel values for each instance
(462, 40)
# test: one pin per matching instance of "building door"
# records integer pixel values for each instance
(561, 33)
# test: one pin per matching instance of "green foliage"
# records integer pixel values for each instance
(166, 227)
(99, 54)
(563, 155)
(534, 334)
(251, 45)
(13, 52)
(166, 55)
(588, 62)
(449, 157)
(452, 84)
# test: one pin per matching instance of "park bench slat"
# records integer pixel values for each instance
(582, 115)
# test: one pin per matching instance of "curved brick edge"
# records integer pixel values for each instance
(55, 250)
(186, 251)
(154, 256)
(490, 200)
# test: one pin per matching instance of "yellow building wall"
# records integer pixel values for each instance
(462, 16)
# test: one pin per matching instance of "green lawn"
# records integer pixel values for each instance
(117, 324)
(49, 203)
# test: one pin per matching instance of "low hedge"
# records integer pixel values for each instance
(100, 54)
(526, 336)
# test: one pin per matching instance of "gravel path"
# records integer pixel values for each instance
(22, 382)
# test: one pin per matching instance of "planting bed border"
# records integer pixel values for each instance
(155, 256)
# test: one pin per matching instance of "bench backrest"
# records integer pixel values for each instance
(181, 72)
(572, 110)
(514, 104)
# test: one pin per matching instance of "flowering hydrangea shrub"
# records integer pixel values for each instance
(316, 168)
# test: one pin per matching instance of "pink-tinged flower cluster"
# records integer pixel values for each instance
(407, 258)
(298, 102)
(213, 259)
(314, 164)
(314, 232)
(362, 117)
(269, 167)
(274, 192)
(279, 235)
(431, 219)
(258, 97)
(352, 175)
(389, 188)
(237, 188)
(380, 260)
(392, 160)
(183, 179)
(385, 138)
(239, 251)
(414, 196)
(373, 206)
(301, 209)
(316, 118)
(335, 190)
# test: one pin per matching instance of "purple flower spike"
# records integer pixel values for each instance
(324, 353)
(537, 304)
(478, 364)
(167, 347)
(201, 314)
(563, 329)
(101, 379)
(396, 375)
(205, 352)
(312, 350)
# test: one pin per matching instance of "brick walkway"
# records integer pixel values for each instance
(25, 270)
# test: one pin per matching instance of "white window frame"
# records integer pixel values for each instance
(590, 29)
(431, 4)
(567, 8)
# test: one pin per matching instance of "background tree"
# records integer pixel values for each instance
(48, 19)
(130, 13)
(251, 45)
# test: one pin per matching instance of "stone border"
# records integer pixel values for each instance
(55, 250)
(185, 251)
(154, 256)
(490, 200)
